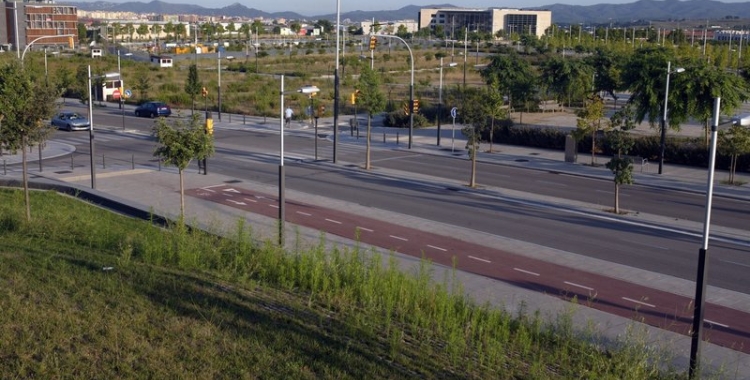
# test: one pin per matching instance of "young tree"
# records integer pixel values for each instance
(143, 86)
(621, 142)
(179, 144)
(193, 85)
(493, 105)
(371, 99)
(474, 118)
(25, 102)
(734, 142)
(589, 122)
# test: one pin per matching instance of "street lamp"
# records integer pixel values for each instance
(91, 125)
(336, 83)
(218, 87)
(440, 97)
(664, 118)
(308, 90)
(411, 85)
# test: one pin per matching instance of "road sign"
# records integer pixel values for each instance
(128, 93)
(454, 112)
(116, 93)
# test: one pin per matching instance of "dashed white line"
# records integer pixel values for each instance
(438, 248)
(715, 323)
(525, 271)
(736, 263)
(250, 200)
(478, 259)
(638, 302)
(209, 187)
(399, 238)
(333, 221)
(274, 206)
(303, 213)
(365, 229)
(579, 286)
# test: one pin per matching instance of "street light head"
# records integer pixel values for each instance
(308, 89)
(452, 64)
(679, 70)
(230, 58)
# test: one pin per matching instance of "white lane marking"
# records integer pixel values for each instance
(397, 158)
(237, 202)
(399, 238)
(274, 206)
(209, 188)
(438, 248)
(333, 221)
(250, 200)
(557, 184)
(478, 259)
(364, 229)
(735, 263)
(303, 213)
(715, 323)
(579, 286)
(638, 302)
(525, 271)
(231, 190)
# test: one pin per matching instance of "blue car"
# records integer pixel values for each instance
(153, 109)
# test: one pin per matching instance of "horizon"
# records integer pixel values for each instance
(305, 8)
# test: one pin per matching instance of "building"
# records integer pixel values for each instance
(38, 22)
(489, 20)
(388, 27)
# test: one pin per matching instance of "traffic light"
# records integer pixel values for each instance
(373, 42)
(210, 126)
(321, 110)
(71, 43)
(415, 106)
(204, 92)
(354, 96)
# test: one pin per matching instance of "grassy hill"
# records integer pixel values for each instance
(85, 293)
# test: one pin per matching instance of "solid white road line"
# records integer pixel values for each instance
(715, 323)
(438, 248)
(303, 213)
(579, 286)
(399, 238)
(274, 206)
(638, 302)
(365, 229)
(478, 259)
(333, 221)
(525, 271)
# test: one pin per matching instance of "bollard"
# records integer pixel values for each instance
(230, 117)
(383, 137)
(357, 133)
(132, 161)
(103, 163)
(243, 119)
(159, 161)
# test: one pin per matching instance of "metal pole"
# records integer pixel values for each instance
(336, 84)
(46, 78)
(15, 28)
(91, 133)
(696, 332)
(218, 90)
(664, 122)
(440, 101)
(281, 167)
(453, 136)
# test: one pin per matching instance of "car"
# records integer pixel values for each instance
(153, 109)
(70, 121)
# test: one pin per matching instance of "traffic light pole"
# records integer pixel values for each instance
(411, 84)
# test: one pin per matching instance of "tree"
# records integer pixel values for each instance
(607, 64)
(620, 141)
(589, 122)
(142, 31)
(130, 29)
(178, 144)
(645, 73)
(371, 99)
(734, 142)
(325, 26)
(169, 29)
(403, 32)
(512, 75)
(295, 27)
(474, 119)
(193, 85)
(156, 30)
(143, 86)
(493, 105)
(566, 78)
(25, 103)
(180, 31)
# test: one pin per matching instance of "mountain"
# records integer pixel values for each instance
(642, 10)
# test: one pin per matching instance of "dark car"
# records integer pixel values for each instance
(153, 109)
(70, 121)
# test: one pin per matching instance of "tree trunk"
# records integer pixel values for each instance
(593, 148)
(473, 180)
(367, 150)
(492, 130)
(182, 197)
(25, 178)
(617, 199)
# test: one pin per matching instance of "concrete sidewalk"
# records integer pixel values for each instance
(152, 190)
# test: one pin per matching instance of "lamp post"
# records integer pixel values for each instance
(218, 87)
(336, 84)
(664, 117)
(309, 90)
(15, 28)
(411, 84)
(696, 332)
(91, 125)
(440, 97)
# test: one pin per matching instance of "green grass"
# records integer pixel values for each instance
(179, 303)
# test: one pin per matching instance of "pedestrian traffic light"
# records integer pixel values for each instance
(415, 106)
(204, 92)
(373, 42)
(71, 43)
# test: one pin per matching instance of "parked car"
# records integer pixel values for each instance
(70, 121)
(153, 109)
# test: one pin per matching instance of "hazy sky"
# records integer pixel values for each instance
(318, 7)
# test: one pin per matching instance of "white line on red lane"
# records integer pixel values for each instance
(365, 229)
(526, 271)
(399, 238)
(438, 248)
(579, 286)
(303, 213)
(274, 206)
(478, 259)
(638, 302)
(715, 323)
(250, 200)
(333, 221)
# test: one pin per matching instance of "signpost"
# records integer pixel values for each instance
(128, 93)
(454, 113)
